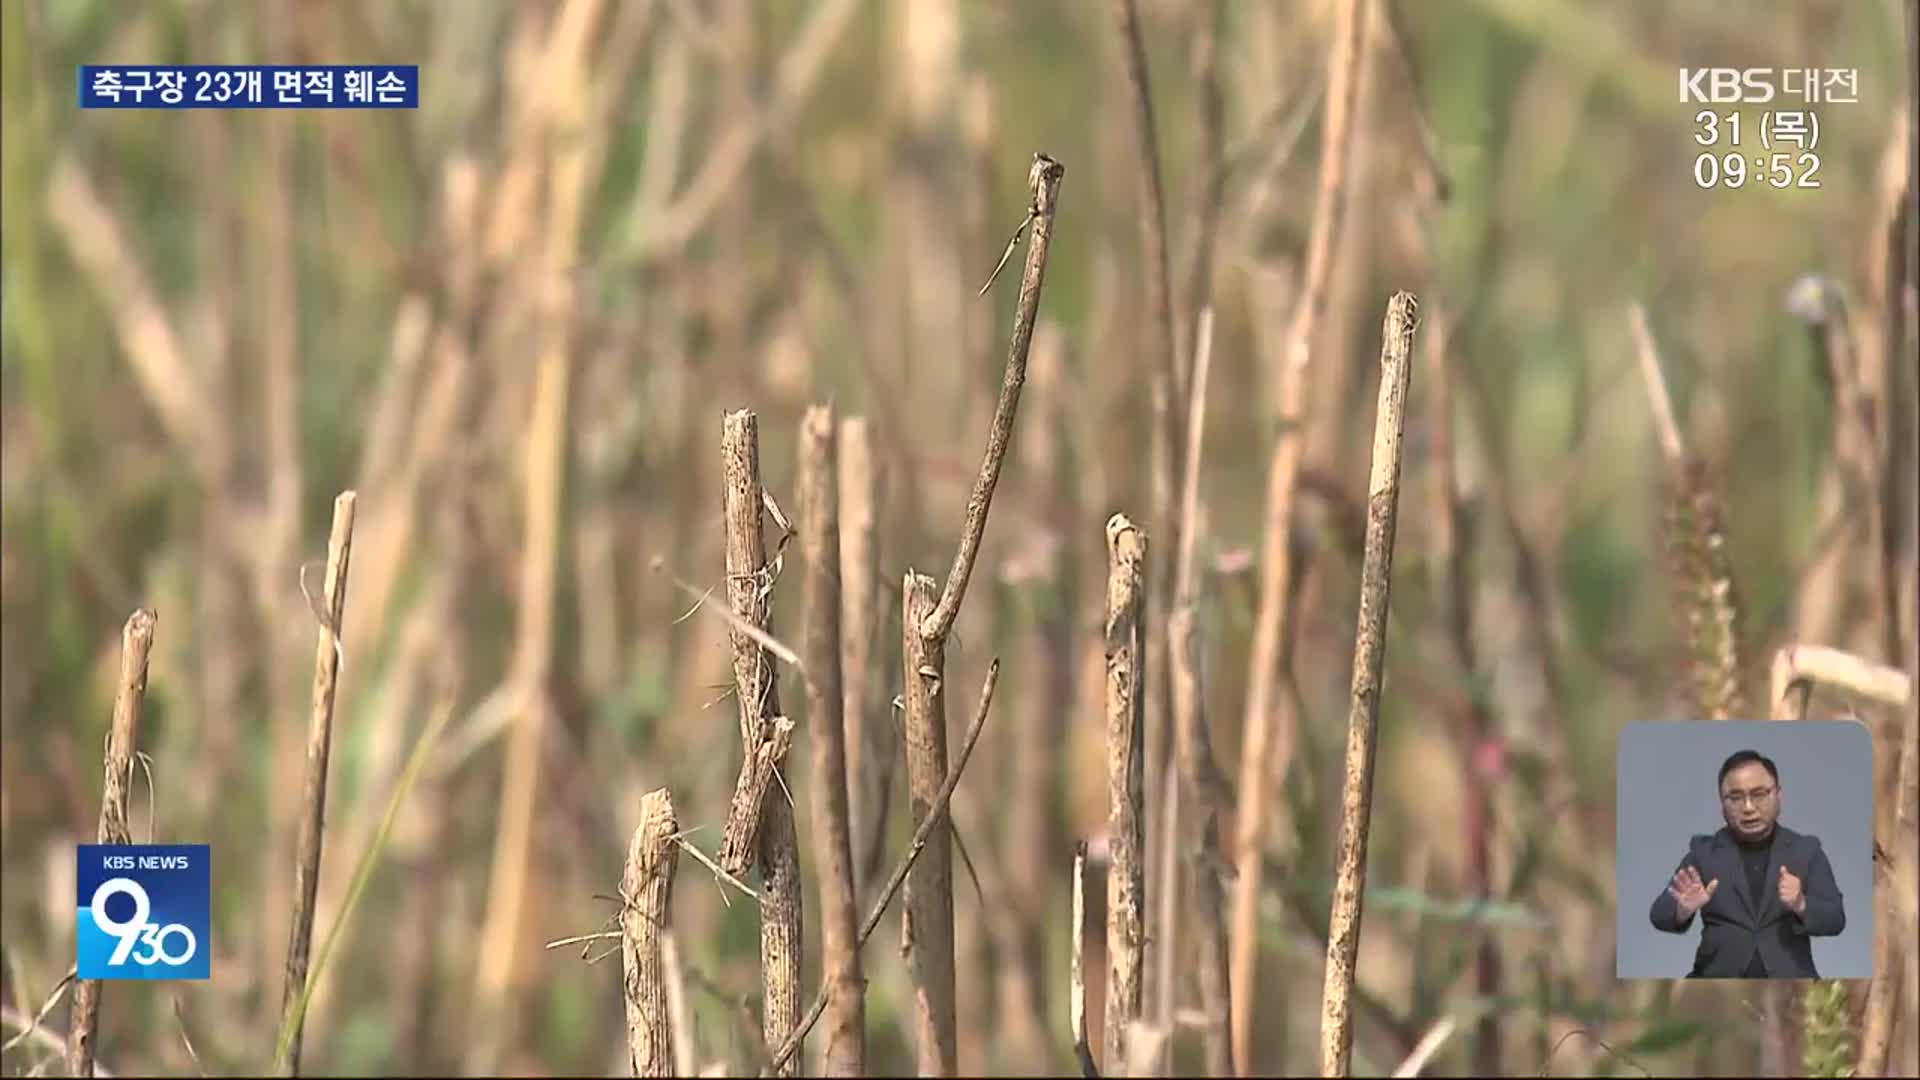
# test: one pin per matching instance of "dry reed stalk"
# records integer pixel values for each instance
(1077, 972)
(679, 1017)
(1168, 380)
(846, 1052)
(1265, 753)
(928, 928)
(869, 732)
(936, 821)
(1126, 806)
(136, 643)
(1369, 660)
(760, 826)
(313, 798)
(646, 894)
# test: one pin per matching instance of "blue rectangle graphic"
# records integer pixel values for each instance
(249, 86)
(144, 911)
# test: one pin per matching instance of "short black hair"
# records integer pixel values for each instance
(1746, 757)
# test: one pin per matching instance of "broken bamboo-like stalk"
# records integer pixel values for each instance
(845, 1052)
(762, 833)
(1369, 661)
(935, 821)
(330, 612)
(646, 894)
(928, 933)
(1126, 809)
(136, 643)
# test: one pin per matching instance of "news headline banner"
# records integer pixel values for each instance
(249, 86)
(143, 911)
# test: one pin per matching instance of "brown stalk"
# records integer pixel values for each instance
(1126, 805)
(868, 732)
(1369, 660)
(1168, 380)
(136, 642)
(846, 1051)
(646, 893)
(1043, 188)
(928, 930)
(313, 800)
(936, 822)
(759, 826)
(1264, 752)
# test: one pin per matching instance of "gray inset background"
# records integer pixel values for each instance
(1667, 793)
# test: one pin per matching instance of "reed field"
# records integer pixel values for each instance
(942, 537)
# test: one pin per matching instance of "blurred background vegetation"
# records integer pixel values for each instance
(216, 321)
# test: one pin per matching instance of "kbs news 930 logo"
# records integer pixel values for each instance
(143, 911)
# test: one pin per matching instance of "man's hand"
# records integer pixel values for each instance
(1691, 896)
(1791, 897)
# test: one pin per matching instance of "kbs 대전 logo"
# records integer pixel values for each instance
(143, 911)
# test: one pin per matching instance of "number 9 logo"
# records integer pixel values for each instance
(137, 928)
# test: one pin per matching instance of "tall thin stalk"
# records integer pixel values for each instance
(845, 1053)
(760, 822)
(313, 801)
(136, 642)
(927, 623)
(1369, 661)
(1126, 805)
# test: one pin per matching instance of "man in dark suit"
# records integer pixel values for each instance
(1778, 892)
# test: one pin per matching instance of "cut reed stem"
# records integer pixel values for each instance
(646, 894)
(123, 738)
(313, 801)
(1369, 661)
(1126, 809)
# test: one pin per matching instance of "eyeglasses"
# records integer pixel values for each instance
(1757, 797)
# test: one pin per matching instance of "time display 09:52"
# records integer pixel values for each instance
(1735, 170)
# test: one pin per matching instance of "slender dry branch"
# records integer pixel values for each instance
(935, 822)
(679, 1014)
(1077, 974)
(757, 825)
(868, 732)
(1167, 379)
(846, 1052)
(1369, 660)
(136, 642)
(1265, 753)
(1043, 185)
(927, 930)
(646, 894)
(313, 802)
(1126, 809)
(750, 599)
